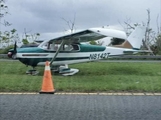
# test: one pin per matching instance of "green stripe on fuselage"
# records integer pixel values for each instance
(31, 50)
(91, 48)
(83, 48)
(35, 61)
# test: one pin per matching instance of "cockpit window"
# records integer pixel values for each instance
(66, 47)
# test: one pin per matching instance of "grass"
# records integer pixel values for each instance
(93, 77)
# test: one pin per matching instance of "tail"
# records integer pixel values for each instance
(134, 41)
(135, 38)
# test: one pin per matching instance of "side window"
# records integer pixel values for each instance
(75, 47)
(71, 47)
(45, 46)
(68, 47)
(54, 47)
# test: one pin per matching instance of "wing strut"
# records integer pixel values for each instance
(52, 60)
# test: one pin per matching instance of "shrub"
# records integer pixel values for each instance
(5, 50)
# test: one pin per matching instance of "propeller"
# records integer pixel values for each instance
(15, 48)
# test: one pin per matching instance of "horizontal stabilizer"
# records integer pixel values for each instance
(136, 51)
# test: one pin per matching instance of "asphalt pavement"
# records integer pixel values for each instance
(79, 107)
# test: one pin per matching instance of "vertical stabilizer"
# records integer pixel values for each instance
(135, 38)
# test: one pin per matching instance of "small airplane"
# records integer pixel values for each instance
(69, 49)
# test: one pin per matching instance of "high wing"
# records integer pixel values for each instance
(89, 35)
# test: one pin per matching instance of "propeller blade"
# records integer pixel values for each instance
(15, 47)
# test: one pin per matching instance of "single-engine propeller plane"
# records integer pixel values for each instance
(69, 49)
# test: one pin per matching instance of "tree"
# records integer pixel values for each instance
(29, 37)
(149, 34)
(93, 42)
(25, 41)
(157, 45)
(9, 37)
(6, 37)
(3, 13)
(71, 24)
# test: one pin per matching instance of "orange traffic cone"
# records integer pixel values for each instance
(47, 84)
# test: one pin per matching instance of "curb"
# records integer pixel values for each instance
(105, 94)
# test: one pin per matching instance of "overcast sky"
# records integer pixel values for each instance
(45, 16)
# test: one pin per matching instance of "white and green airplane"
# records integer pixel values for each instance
(69, 49)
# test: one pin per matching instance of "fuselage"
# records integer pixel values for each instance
(79, 53)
